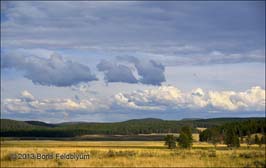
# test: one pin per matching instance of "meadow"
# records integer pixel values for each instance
(130, 154)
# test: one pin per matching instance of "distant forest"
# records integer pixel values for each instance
(13, 128)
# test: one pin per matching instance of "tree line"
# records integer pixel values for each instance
(232, 134)
(12, 128)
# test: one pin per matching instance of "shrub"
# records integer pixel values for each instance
(212, 153)
(170, 141)
(258, 163)
(112, 153)
(8, 157)
(148, 154)
(234, 155)
(245, 155)
(252, 155)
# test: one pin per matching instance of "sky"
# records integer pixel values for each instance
(111, 61)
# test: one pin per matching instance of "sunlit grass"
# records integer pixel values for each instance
(132, 154)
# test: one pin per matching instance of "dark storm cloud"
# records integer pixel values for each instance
(51, 71)
(116, 73)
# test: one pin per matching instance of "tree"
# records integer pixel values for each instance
(170, 141)
(263, 139)
(215, 136)
(205, 135)
(248, 139)
(231, 139)
(241, 139)
(185, 138)
(257, 141)
(241, 136)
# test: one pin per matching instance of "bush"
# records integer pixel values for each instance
(112, 153)
(177, 153)
(203, 154)
(245, 155)
(170, 141)
(234, 155)
(252, 155)
(258, 163)
(7, 157)
(212, 153)
(148, 154)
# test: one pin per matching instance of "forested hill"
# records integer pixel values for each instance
(13, 128)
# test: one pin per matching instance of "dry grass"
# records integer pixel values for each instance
(131, 154)
(201, 129)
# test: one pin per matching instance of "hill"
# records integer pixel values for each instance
(39, 123)
(13, 128)
(8, 125)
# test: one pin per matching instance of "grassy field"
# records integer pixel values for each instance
(128, 154)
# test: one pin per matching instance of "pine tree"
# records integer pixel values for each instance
(231, 139)
(248, 139)
(185, 138)
(215, 136)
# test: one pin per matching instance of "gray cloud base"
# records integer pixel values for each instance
(56, 71)
(116, 73)
(52, 71)
(150, 72)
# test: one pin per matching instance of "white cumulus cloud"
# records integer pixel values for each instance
(27, 96)
(161, 98)
(170, 97)
(28, 104)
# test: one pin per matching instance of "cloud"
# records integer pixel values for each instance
(213, 57)
(149, 71)
(116, 72)
(84, 89)
(50, 71)
(133, 27)
(170, 98)
(27, 96)
(252, 99)
(159, 101)
(28, 104)
(218, 57)
(123, 101)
